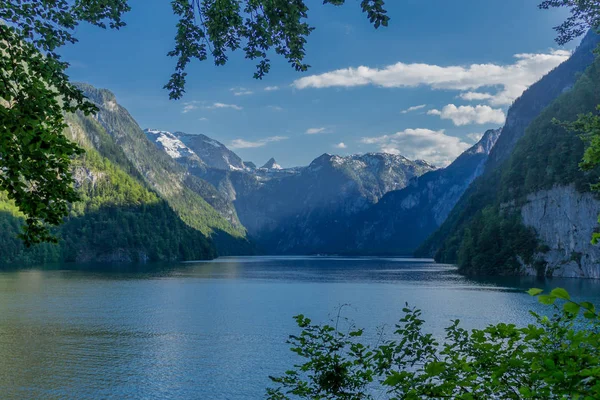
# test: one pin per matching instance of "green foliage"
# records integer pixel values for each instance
(493, 243)
(584, 14)
(116, 219)
(556, 357)
(34, 92)
(256, 26)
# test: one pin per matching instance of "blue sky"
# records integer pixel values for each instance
(442, 73)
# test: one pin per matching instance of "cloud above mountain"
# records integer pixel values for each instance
(509, 80)
(420, 144)
(466, 115)
(476, 137)
(247, 144)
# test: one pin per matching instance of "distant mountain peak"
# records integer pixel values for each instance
(272, 164)
(486, 143)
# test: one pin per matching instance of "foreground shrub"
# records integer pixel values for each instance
(556, 357)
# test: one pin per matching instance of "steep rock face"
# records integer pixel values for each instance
(402, 219)
(563, 219)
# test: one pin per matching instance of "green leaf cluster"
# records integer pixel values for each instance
(258, 27)
(35, 91)
(555, 357)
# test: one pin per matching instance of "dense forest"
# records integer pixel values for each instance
(117, 219)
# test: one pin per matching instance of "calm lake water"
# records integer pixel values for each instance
(217, 330)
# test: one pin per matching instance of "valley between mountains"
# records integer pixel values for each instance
(158, 194)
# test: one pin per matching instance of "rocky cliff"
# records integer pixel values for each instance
(563, 220)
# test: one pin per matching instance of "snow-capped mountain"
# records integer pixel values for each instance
(169, 143)
(212, 152)
(271, 164)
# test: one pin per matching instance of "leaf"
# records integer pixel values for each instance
(534, 291)
(560, 293)
(358, 332)
(588, 306)
(393, 379)
(589, 315)
(435, 368)
(547, 299)
(572, 308)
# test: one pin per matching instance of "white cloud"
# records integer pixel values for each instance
(314, 131)
(271, 88)
(203, 119)
(475, 137)
(413, 108)
(470, 96)
(433, 146)
(188, 107)
(223, 105)
(275, 108)
(240, 91)
(340, 145)
(512, 79)
(246, 144)
(466, 115)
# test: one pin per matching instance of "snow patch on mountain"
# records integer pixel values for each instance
(169, 143)
(272, 164)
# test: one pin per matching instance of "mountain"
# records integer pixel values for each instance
(214, 154)
(138, 202)
(531, 211)
(196, 201)
(403, 219)
(295, 211)
(171, 144)
(119, 218)
(271, 164)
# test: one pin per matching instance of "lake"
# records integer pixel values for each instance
(217, 330)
